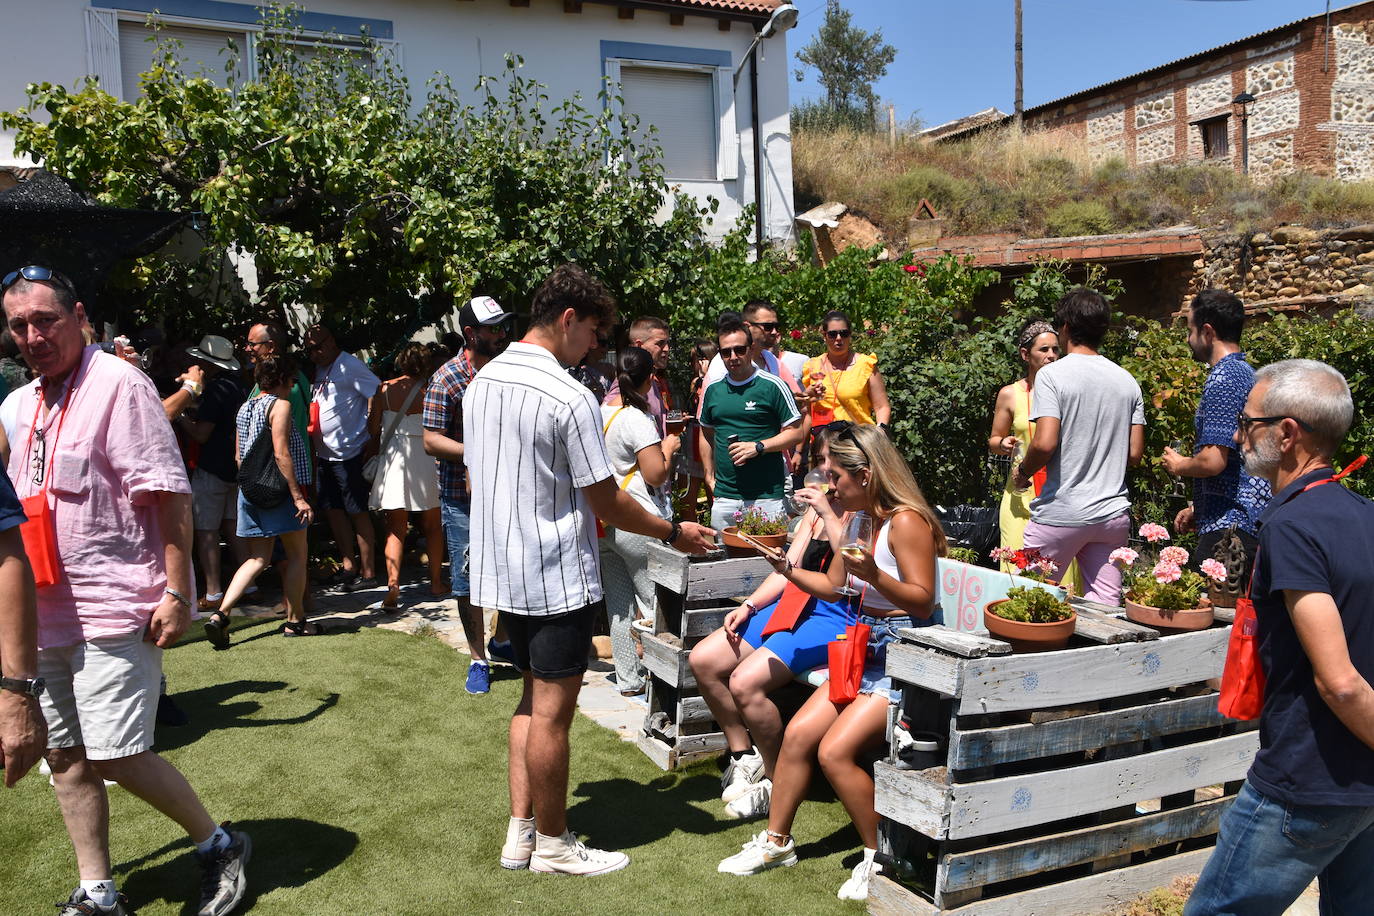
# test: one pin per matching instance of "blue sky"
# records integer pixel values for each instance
(954, 57)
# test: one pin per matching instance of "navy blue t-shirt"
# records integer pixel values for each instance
(1321, 540)
(11, 512)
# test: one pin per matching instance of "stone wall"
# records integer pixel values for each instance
(1289, 262)
(1313, 110)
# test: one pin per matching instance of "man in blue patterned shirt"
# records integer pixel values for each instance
(486, 327)
(1225, 497)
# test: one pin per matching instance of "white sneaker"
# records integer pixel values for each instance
(740, 776)
(519, 846)
(753, 803)
(856, 888)
(759, 855)
(566, 855)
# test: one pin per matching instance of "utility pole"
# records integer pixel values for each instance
(1020, 100)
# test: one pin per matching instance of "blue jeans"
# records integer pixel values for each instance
(1268, 852)
(456, 525)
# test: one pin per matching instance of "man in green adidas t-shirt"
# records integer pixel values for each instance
(749, 419)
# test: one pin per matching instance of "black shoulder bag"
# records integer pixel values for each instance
(260, 480)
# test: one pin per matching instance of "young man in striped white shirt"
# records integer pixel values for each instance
(539, 472)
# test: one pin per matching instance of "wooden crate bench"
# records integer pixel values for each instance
(692, 597)
(1070, 781)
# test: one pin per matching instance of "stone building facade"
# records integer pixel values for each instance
(1313, 83)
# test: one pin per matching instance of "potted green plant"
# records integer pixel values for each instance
(1031, 618)
(1159, 590)
(766, 529)
(964, 555)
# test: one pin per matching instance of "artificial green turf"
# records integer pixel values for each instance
(372, 783)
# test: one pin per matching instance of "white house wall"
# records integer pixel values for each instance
(464, 38)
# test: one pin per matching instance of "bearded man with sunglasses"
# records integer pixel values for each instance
(756, 416)
(1306, 809)
(110, 514)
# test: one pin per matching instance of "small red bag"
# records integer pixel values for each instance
(312, 426)
(788, 611)
(847, 656)
(39, 534)
(1242, 680)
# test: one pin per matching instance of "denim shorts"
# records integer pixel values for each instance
(456, 528)
(883, 632)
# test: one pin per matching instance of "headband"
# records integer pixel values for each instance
(1032, 331)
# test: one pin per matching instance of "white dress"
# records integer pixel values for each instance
(406, 478)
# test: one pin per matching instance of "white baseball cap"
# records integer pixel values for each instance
(482, 310)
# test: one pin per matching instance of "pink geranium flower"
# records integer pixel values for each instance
(1174, 556)
(1154, 533)
(1124, 555)
(1165, 573)
(1214, 569)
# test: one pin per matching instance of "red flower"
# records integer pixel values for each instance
(918, 269)
(796, 335)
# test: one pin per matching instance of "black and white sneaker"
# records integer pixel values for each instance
(81, 904)
(224, 882)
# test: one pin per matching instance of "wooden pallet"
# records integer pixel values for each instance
(692, 597)
(1046, 799)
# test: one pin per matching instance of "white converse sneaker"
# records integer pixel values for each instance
(519, 846)
(565, 855)
(759, 855)
(740, 776)
(856, 888)
(753, 803)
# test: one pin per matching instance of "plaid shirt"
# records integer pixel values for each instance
(444, 413)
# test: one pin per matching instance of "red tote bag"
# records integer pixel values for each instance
(1242, 680)
(847, 655)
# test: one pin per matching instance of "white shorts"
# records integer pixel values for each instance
(213, 501)
(102, 694)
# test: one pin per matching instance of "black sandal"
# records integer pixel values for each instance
(217, 630)
(301, 628)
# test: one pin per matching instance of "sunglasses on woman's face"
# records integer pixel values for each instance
(838, 333)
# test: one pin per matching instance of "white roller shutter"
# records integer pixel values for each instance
(682, 105)
(202, 52)
(102, 49)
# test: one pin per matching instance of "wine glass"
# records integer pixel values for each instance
(1016, 459)
(818, 479)
(858, 537)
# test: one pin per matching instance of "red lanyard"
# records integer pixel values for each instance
(1349, 468)
(37, 410)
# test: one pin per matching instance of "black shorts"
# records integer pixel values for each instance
(553, 647)
(343, 486)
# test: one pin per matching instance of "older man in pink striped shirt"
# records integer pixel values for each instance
(89, 448)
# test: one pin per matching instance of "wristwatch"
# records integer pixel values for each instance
(31, 686)
(673, 535)
(758, 448)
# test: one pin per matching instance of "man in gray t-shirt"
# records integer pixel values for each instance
(1089, 427)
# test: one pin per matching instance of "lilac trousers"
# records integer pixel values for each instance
(1090, 545)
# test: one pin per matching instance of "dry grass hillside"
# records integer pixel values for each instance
(1037, 184)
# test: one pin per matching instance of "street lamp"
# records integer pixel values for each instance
(1244, 100)
(783, 18)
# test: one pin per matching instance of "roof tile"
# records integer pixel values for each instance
(742, 6)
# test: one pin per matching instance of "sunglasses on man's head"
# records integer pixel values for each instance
(741, 350)
(41, 274)
(838, 333)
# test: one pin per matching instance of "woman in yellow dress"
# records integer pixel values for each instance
(841, 384)
(1011, 433)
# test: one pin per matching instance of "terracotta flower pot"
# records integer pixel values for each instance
(735, 546)
(1028, 637)
(1198, 618)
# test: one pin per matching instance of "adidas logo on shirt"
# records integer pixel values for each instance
(749, 405)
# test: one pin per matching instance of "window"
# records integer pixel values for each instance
(1215, 137)
(118, 49)
(203, 52)
(688, 94)
(681, 104)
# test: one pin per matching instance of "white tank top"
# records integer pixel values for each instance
(874, 600)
